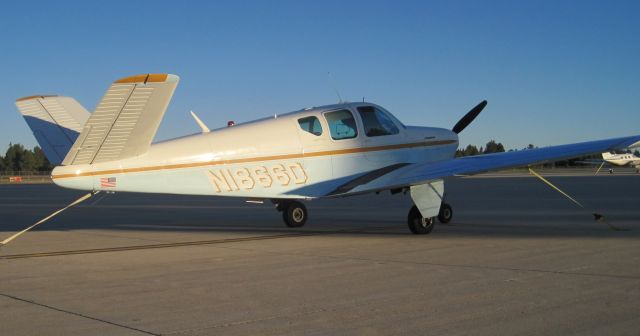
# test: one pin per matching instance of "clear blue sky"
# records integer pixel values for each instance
(553, 71)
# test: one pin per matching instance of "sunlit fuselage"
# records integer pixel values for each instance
(268, 158)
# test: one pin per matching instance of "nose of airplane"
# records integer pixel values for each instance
(450, 135)
(442, 134)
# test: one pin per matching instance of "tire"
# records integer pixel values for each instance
(417, 223)
(446, 213)
(295, 214)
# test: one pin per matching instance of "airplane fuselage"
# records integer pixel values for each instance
(303, 154)
(626, 159)
(624, 162)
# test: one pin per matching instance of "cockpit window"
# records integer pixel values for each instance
(376, 122)
(311, 125)
(342, 125)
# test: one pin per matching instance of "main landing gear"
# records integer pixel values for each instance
(294, 213)
(420, 225)
(446, 213)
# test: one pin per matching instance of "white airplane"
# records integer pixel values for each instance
(328, 151)
(622, 160)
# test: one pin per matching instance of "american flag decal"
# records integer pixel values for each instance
(107, 182)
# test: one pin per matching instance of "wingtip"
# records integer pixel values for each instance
(148, 78)
(34, 97)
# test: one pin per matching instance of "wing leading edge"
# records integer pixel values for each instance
(419, 173)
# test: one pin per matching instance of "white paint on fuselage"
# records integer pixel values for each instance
(246, 156)
(622, 159)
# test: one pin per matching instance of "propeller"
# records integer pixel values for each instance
(468, 118)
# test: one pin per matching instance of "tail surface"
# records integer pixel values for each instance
(607, 155)
(55, 121)
(125, 121)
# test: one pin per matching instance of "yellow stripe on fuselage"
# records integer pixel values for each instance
(260, 158)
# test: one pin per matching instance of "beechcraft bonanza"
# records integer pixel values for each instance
(328, 151)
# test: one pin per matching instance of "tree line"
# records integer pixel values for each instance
(491, 147)
(19, 159)
(497, 147)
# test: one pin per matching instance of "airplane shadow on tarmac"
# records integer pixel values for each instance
(482, 208)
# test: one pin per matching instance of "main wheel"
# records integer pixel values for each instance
(417, 223)
(294, 214)
(446, 213)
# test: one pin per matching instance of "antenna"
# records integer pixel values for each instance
(332, 83)
(204, 127)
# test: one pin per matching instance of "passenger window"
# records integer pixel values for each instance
(311, 125)
(376, 122)
(342, 125)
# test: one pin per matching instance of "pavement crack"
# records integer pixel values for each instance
(77, 314)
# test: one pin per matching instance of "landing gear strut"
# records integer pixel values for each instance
(417, 223)
(294, 213)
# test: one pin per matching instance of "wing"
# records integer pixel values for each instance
(419, 173)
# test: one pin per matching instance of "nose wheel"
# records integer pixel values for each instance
(294, 213)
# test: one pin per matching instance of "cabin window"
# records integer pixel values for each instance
(376, 122)
(311, 125)
(342, 125)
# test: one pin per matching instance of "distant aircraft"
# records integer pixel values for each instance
(328, 151)
(626, 159)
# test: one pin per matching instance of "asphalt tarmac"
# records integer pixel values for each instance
(518, 259)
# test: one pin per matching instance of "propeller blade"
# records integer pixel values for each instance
(468, 118)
